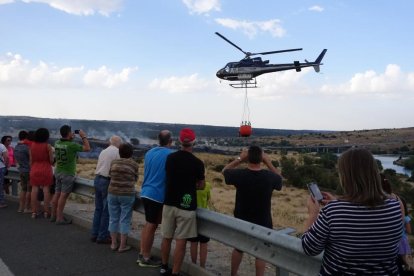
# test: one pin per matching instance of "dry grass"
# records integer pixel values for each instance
(288, 205)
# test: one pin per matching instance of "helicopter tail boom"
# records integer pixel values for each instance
(316, 64)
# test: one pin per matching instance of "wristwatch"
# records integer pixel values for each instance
(238, 158)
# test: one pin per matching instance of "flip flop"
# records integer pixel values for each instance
(114, 248)
(126, 248)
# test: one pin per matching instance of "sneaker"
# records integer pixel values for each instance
(150, 262)
(93, 239)
(165, 271)
(140, 257)
(27, 211)
(3, 205)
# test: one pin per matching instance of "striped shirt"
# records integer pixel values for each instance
(124, 176)
(358, 240)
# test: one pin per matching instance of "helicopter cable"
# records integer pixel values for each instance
(246, 109)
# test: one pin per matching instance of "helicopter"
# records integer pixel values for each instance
(246, 70)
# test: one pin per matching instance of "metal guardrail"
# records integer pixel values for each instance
(275, 247)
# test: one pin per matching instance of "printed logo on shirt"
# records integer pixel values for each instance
(186, 201)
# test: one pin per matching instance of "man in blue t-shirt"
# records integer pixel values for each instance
(152, 194)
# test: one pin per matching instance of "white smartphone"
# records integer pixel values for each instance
(315, 192)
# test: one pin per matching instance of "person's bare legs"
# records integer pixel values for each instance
(34, 201)
(179, 253)
(203, 254)
(22, 200)
(236, 258)
(194, 251)
(147, 239)
(55, 200)
(27, 205)
(61, 205)
(165, 250)
(123, 240)
(114, 243)
(46, 202)
(260, 267)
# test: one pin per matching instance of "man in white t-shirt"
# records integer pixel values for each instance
(100, 233)
(4, 162)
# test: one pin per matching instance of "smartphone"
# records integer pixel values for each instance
(76, 131)
(315, 192)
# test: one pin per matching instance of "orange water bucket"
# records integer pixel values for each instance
(245, 130)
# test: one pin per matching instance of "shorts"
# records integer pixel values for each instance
(404, 247)
(200, 239)
(178, 223)
(64, 183)
(153, 210)
(24, 182)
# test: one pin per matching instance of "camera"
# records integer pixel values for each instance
(76, 131)
(315, 192)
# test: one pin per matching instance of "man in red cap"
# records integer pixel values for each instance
(184, 175)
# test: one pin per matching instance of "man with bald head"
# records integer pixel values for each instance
(100, 233)
(152, 194)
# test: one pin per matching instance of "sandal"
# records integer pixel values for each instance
(126, 248)
(114, 248)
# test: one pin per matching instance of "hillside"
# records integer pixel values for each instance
(142, 130)
(378, 140)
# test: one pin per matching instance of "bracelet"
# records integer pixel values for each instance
(84, 137)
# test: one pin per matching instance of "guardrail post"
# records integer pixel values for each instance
(281, 272)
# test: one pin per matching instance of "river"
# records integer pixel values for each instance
(386, 161)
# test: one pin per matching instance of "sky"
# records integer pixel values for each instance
(156, 61)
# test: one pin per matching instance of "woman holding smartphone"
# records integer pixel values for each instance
(360, 231)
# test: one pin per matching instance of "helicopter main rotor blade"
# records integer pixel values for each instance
(275, 52)
(223, 37)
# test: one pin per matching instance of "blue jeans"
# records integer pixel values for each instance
(101, 215)
(120, 213)
(2, 172)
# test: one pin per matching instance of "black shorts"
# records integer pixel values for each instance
(153, 211)
(200, 239)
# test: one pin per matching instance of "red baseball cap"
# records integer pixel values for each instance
(187, 135)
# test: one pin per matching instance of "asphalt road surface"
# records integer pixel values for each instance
(39, 247)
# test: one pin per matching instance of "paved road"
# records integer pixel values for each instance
(38, 247)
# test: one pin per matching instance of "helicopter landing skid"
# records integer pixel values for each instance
(245, 84)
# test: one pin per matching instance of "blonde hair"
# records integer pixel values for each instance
(359, 177)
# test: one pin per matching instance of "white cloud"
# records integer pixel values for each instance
(15, 71)
(179, 85)
(251, 28)
(316, 8)
(78, 7)
(202, 6)
(392, 83)
(6, 1)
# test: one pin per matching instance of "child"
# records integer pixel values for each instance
(404, 248)
(203, 198)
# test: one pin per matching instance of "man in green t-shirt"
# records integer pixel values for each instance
(66, 154)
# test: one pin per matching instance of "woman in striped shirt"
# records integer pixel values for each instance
(359, 231)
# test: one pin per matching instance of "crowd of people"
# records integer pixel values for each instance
(361, 232)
